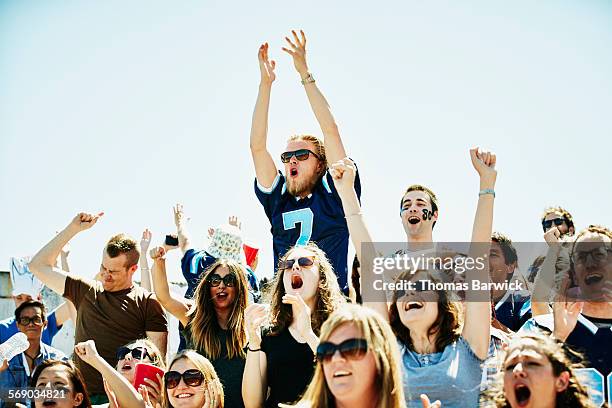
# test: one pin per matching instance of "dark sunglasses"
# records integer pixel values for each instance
(548, 223)
(192, 378)
(228, 280)
(301, 155)
(303, 262)
(351, 349)
(138, 353)
(25, 321)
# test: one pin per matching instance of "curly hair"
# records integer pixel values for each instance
(564, 213)
(328, 296)
(446, 327)
(560, 357)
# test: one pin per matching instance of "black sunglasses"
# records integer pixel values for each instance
(351, 349)
(192, 378)
(138, 353)
(303, 262)
(548, 223)
(25, 321)
(228, 280)
(301, 155)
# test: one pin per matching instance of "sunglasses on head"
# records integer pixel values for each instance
(548, 223)
(301, 155)
(351, 349)
(192, 378)
(228, 280)
(138, 353)
(303, 262)
(25, 321)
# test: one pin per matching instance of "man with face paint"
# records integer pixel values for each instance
(419, 213)
(301, 203)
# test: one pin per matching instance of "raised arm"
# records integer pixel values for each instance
(334, 149)
(66, 311)
(42, 264)
(145, 272)
(181, 230)
(544, 283)
(343, 173)
(476, 330)
(265, 169)
(254, 378)
(176, 306)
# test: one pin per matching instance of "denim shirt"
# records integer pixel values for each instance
(16, 375)
(452, 376)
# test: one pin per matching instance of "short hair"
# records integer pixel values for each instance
(507, 248)
(30, 303)
(318, 143)
(123, 244)
(432, 197)
(564, 213)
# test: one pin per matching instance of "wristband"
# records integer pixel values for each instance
(487, 191)
(309, 79)
(253, 350)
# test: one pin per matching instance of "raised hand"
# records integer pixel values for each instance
(212, 394)
(484, 163)
(254, 317)
(552, 236)
(158, 253)
(86, 350)
(178, 215)
(301, 314)
(233, 220)
(343, 173)
(145, 241)
(297, 51)
(266, 67)
(84, 221)
(147, 397)
(112, 398)
(565, 312)
(427, 404)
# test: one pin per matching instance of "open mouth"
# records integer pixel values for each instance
(221, 295)
(184, 395)
(126, 367)
(49, 403)
(523, 394)
(593, 279)
(413, 220)
(413, 305)
(293, 172)
(339, 374)
(296, 282)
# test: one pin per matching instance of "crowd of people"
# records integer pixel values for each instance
(314, 336)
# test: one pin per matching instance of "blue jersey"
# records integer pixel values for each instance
(593, 338)
(318, 218)
(513, 310)
(193, 265)
(8, 327)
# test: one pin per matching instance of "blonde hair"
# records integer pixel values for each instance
(156, 356)
(328, 296)
(203, 326)
(318, 144)
(203, 365)
(381, 341)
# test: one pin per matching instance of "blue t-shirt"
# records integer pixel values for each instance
(320, 217)
(193, 265)
(8, 327)
(452, 376)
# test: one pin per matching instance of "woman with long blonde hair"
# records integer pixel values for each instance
(304, 293)
(359, 363)
(214, 319)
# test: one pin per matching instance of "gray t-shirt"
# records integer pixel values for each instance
(452, 376)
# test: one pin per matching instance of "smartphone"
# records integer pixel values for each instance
(172, 240)
(144, 370)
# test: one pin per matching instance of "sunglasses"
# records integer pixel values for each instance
(192, 378)
(301, 155)
(548, 223)
(303, 262)
(25, 321)
(138, 353)
(228, 280)
(351, 349)
(597, 255)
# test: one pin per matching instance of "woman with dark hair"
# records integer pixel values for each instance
(538, 372)
(214, 319)
(442, 343)
(64, 377)
(304, 293)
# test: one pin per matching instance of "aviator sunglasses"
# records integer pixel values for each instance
(301, 155)
(351, 349)
(192, 378)
(303, 262)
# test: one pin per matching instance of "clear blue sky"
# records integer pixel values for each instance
(129, 107)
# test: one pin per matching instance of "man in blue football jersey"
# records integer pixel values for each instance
(301, 203)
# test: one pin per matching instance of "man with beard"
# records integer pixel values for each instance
(302, 203)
